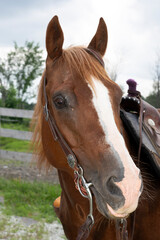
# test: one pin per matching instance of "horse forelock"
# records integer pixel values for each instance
(87, 66)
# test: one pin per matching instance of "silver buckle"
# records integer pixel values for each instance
(86, 185)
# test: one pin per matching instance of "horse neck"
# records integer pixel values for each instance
(70, 194)
(76, 208)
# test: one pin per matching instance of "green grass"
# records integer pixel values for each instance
(12, 144)
(22, 126)
(16, 145)
(34, 200)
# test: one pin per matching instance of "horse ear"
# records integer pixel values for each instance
(100, 39)
(54, 38)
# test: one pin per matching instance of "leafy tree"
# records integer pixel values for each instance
(156, 84)
(17, 73)
(9, 99)
(152, 99)
(154, 96)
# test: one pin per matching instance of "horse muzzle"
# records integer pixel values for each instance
(118, 200)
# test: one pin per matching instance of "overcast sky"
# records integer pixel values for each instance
(133, 30)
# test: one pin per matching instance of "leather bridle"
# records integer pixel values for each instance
(80, 182)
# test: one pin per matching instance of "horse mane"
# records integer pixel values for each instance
(36, 127)
(85, 65)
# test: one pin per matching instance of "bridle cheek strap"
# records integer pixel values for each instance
(71, 158)
(79, 180)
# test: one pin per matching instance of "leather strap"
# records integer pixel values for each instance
(71, 158)
(121, 229)
(96, 55)
(140, 129)
(141, 113)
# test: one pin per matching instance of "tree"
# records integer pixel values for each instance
(17, 73)
(156, 84)
(9, 99)
(154, 96)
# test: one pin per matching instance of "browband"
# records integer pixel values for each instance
(96, 55)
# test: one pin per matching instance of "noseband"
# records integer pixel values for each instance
(80, 182)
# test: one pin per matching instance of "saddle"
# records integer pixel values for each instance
(142, 122)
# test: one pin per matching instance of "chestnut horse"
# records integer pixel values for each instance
(78, 109)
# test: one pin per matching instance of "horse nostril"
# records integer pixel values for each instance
(114, 194)
(112, 187)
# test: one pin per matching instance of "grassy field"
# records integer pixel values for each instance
(16, 145)
(34, 200)
(23, 126)
(25, 199)
(12, 144)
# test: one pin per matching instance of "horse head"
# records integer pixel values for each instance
(85, 104)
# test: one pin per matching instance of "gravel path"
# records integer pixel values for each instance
(28, 229)
(12, 169)
(21, 228)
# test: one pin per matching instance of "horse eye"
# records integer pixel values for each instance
(60, 102)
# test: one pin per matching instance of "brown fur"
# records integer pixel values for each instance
(79, 60)
(74, 208)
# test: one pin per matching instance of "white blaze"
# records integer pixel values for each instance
(130, 184)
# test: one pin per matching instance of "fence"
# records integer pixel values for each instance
(23, 135)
